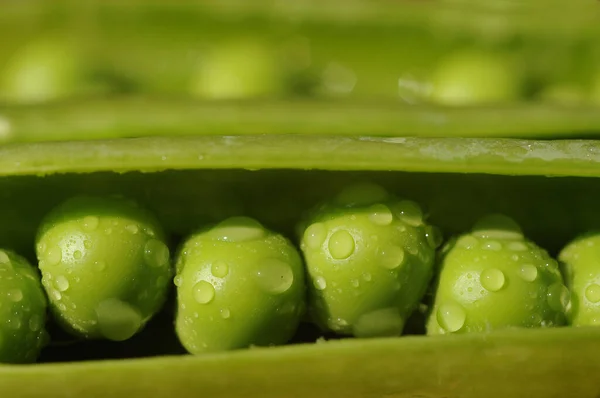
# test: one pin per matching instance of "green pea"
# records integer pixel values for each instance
(467, 78)
(105, 266)
(370, 258)
(494, 278)
(581, 265)
(22, 310)
(238, 284)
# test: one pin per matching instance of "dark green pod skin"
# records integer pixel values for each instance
(580, 260)
(238, 284)
(493, 278)
(369, 258)
(22, 310)
(105, 266)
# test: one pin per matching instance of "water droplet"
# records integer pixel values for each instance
(62, 307)
(361, 194)
(355, 283)
(132, 228)
(238, 229)
(77, 254)
(492, 245)
(14, 323)
(219, 269)
(108, 231)
(341, 244)
(497, 226)
(451, 317)
(492, 279)
(41, 247)
(35, 323)
(528, 272)
(558, 297)
(379, 323)
(515, 257)
(517, 246)
(315, 235)
(203, 292)
(434, 236)
(15, 295)
(90, 223)
(87, 244)
(410, 212)
(367, 277)
(53, 256)
(274, 276)
(4, 259)
(55, 294)
(99, 265)
(468, 242)
(380, 215)
(178, 280)
(392, 257)
(225, 313)
(118, 320)
(592, 293)
(320, 283)
(62, 283)
(156, 253)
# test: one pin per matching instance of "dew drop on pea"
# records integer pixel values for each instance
(203, 292)
(117, 320)
(497, 226)
(492, 245)
(492, 279)
(274, 276)
(592, 293)
(156, 253)
(178, 280)
(55, 294)
(15, 295)
(517, 246)
(315, 235)
(410, 212)
(528, 272)
(367, 277)
(219, 269)
(433, 236)
(341, 245)
(468, 242)
(380, 214)
(355, 283)
(53, 256)
(320, 283)
(451, 317)
(62, 284)
(558, 297)
(90, 223)
(132, 228)
(392, 257)
(14, 323)
(77, 255)
(225, 313)
(239, 229)
(35, 323)
(99, 265)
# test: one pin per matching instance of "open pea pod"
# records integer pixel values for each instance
(548, 187)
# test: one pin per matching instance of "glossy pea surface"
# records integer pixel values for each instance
(22, 310)
(238, 284)
(105, 266)
(369, 258)
(581, 265)
(494, 278)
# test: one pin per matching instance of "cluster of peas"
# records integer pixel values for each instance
(366, 261)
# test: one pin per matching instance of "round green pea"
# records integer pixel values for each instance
(494, 278)
(472, 77)
(581, 265)
(105, 266)
(370, 258)
(22, 310)
(238, 284)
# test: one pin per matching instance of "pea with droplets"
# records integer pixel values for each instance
(105, 266)
(370, 258)
(238, 284)
(494, 278)
(22, 310)
(581, 265)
